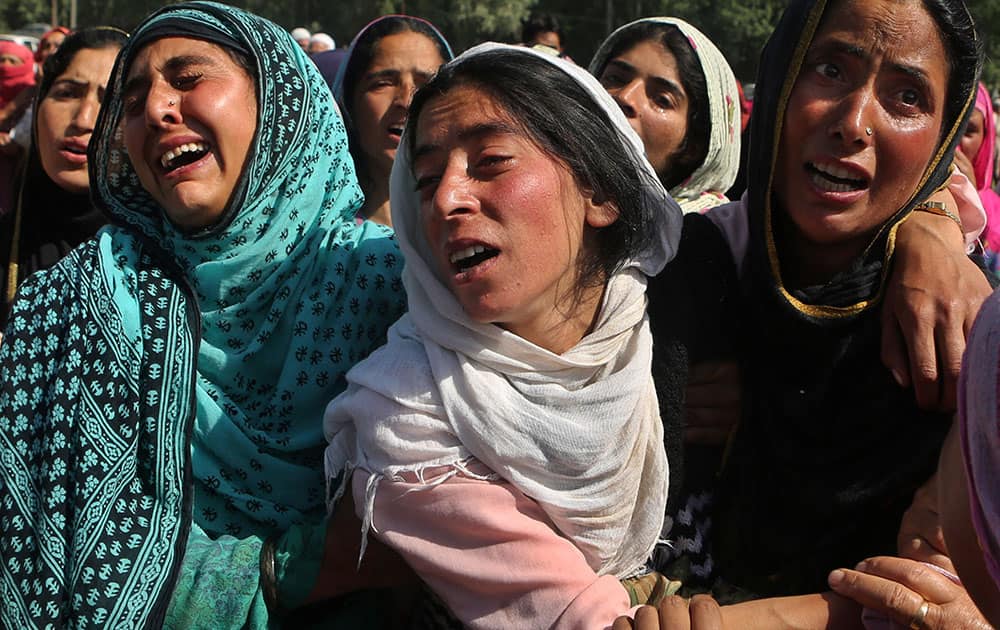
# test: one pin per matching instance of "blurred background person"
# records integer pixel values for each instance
(302, 36)
(321, 42)
(17, 73)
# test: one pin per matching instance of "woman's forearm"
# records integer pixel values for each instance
(802, 612)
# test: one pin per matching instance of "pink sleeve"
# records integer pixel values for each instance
(490, 553)
(970, 207)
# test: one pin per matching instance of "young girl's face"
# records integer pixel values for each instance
(505, 221)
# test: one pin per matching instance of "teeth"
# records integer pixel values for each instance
(468, 252)
(173, 154)
(834, 171)
(825, 184)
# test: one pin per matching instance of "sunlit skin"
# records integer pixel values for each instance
(876, 64)
(645, 82)
(959, 534)
(182, 91)
(66, 116)
(402, 63)
(484, 182)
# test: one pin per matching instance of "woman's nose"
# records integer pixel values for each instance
(626, 97)
(856, 117)
(163, 105)
(453, 195)
(86, 113)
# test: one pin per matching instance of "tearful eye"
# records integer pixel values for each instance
(663, 101)
(828, 70)
(909, 97)
(492, 160)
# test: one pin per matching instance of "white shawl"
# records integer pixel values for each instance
(579, 433)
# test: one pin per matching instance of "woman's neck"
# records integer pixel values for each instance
(562, 326)
(806, 263)
(377, 206)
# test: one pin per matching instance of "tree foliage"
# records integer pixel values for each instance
(738, 27)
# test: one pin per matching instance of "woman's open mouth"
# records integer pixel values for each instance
(835, 179)
(466, 259)
(74, 152)
(183, 155)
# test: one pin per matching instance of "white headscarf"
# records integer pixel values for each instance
(707, 185)
(579, 433)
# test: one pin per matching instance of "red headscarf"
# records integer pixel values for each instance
(13, 79)
(56, 29)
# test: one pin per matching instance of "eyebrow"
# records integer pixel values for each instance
(174, 64)
(476, 131)
(393, 73)
(661, 83)
(858, 52)
(71, 81)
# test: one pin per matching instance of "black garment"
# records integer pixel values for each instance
(830, 448)
(692, 319)
(53, 222)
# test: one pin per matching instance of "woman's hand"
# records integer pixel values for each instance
(920, 536)
(931, 301)
(340, 573)
(900, 587)
(675, 613)
(713, 402)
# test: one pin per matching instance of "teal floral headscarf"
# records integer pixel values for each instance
(285, 305)
(155, 377)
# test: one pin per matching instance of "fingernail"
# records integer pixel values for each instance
(862, 566)
(898, 376)
(836, 577)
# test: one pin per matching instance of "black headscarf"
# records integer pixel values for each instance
(831, 449)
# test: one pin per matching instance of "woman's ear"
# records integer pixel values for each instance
(600, 212)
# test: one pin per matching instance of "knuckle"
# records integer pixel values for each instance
(896, 598)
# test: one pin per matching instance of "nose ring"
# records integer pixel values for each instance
(868, 130)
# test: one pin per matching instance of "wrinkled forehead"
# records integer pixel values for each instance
(452, 115)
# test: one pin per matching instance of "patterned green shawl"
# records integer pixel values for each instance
(146, 345)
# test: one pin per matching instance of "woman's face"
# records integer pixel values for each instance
(190, 118)
(646, 84)
(972, 139)
(49, 45)
(504, 221)
(66, 117)
(863, 120)
(959, 534)
(402, 63)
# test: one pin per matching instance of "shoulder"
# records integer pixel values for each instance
(88, 277)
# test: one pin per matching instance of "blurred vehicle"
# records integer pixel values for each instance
(25, 40)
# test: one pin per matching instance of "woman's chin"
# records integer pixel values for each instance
(190, 214)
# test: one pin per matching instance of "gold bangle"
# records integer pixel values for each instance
(939, 208)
